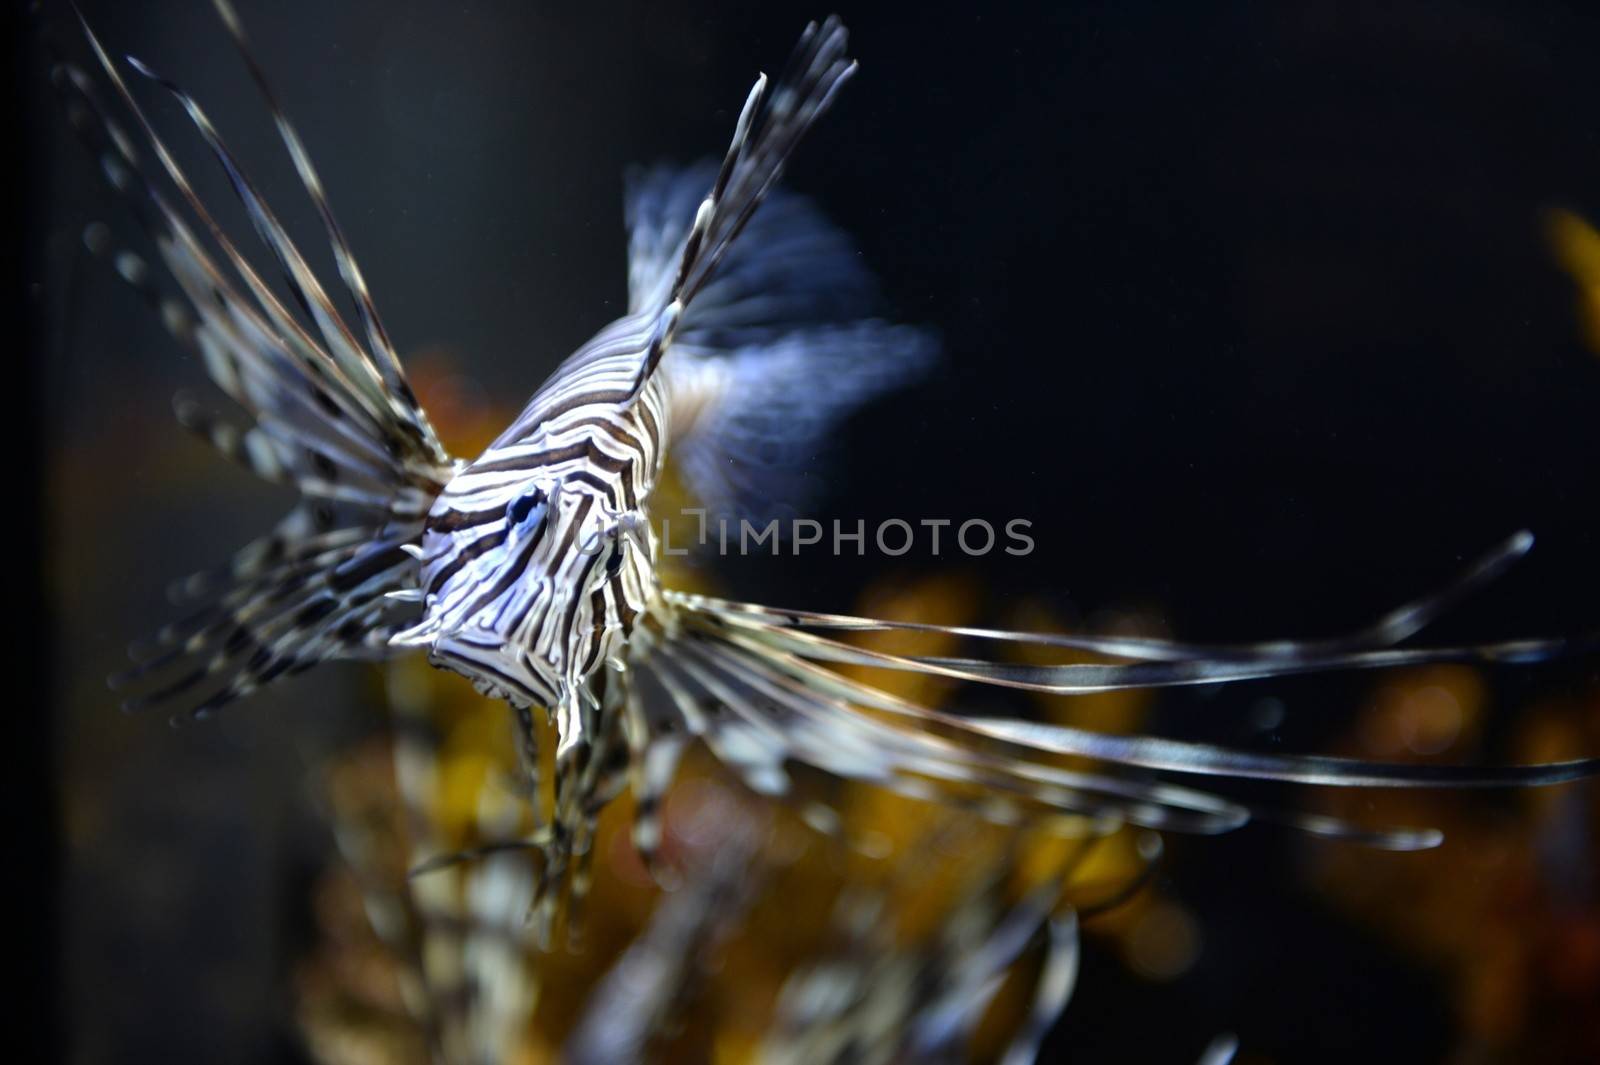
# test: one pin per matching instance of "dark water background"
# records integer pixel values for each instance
(1248, 307)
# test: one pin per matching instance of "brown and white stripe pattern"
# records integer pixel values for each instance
(538, 556)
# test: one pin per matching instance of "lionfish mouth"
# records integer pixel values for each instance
(478, 625)
(495, 669)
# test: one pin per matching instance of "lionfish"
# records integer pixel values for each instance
(532, 568)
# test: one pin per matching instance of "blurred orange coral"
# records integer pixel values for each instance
(1507, 906)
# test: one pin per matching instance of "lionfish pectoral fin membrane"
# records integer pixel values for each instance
(773, 677)
(329, 413)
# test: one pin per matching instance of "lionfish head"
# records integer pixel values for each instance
(507, 583)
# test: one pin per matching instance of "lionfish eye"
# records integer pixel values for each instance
(518, 510)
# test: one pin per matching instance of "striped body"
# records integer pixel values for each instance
(538, 558)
